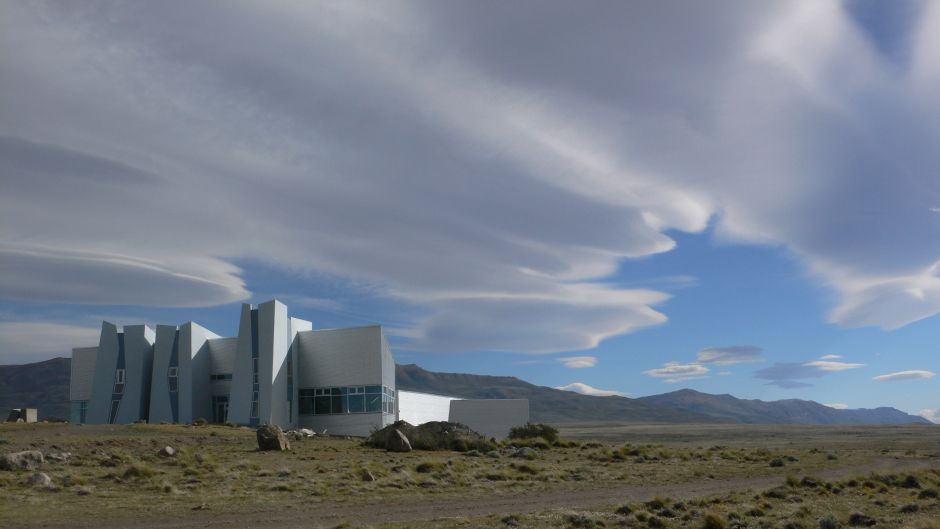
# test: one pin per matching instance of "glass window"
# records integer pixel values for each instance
(254, 409)
(306, 405)
(357, 403)
(321, 405)
(118, 381)
(339, 404)
(114, 409)
(373, 403)
(173, 383)
(374, 389)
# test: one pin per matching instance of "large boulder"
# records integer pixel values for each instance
(271, 437)
(397, 442)
(27, 460)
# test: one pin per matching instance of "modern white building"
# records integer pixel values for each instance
(277, 370)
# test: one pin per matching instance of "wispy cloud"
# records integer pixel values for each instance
(729, 355)
(830, 357)
(914, 374)
(580, 387)
(673, 372)
(579, 362)
(791, 375)
(838, 405)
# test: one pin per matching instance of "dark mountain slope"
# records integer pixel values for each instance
(790, 411)
(43, 385)
(545, 404)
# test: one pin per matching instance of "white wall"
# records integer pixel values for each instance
(239, 401)
(490, 417)
(82, 376)
(419, 408)
(357, 356)
(161, 410)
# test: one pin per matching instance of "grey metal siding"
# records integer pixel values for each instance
(490, 417)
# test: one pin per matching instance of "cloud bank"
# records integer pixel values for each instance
(674, 372)
(726, 356)
(584, 389)
(25, 342)
(579, 362)
(494, 178)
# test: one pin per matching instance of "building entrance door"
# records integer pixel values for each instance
(220, 409)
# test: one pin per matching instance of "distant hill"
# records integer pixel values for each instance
(791, 411)
(552, 405)
(545, 404)
(44, 385)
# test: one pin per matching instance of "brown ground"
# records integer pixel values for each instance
(426, 509)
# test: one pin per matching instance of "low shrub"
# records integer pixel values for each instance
(139, 471)
(534, 430)
(200, 422)
(713, 521)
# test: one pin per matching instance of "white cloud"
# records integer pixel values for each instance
(838, 405)
(734, 354)
(580, 387)
(906, 375)
(830, 357)
(931, 414)
(832, 366)
(674, 372)
(579, 362)
(24, 342)
(485, 176)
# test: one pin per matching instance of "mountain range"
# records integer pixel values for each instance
(44, 385)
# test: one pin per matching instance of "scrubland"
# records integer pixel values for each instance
(596, 476)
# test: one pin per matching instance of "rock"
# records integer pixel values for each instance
(271, 437)
(296, 435)
(26, 460)
(59, 457)
(167, 451)
(84, 490)
(307, 432)
(40, 480)
(493, 454)
(367, 475)
(525, 452)
(860, 520)
(397, 442)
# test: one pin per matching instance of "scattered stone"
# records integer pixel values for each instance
(307, 432)
(59, 457)
(366, 475)
(200, 458)
(26, 460)
(40, 480)
(271, 437)
(397, 442)
(202, 506)
(167, 451)
(525, 452)
(84, 490)
(296, 435)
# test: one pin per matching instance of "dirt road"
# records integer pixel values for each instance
(430, 508)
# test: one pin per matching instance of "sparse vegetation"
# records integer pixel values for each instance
(534, 431)
(115, 472)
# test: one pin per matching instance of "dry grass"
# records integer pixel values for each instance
(117, 469)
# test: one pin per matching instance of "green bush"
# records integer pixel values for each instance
(533, 431)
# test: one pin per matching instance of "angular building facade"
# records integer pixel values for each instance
(276, 371)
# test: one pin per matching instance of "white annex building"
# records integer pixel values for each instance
(276, 371)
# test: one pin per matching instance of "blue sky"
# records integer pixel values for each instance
(732, 197)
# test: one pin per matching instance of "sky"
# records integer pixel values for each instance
(616, 198)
